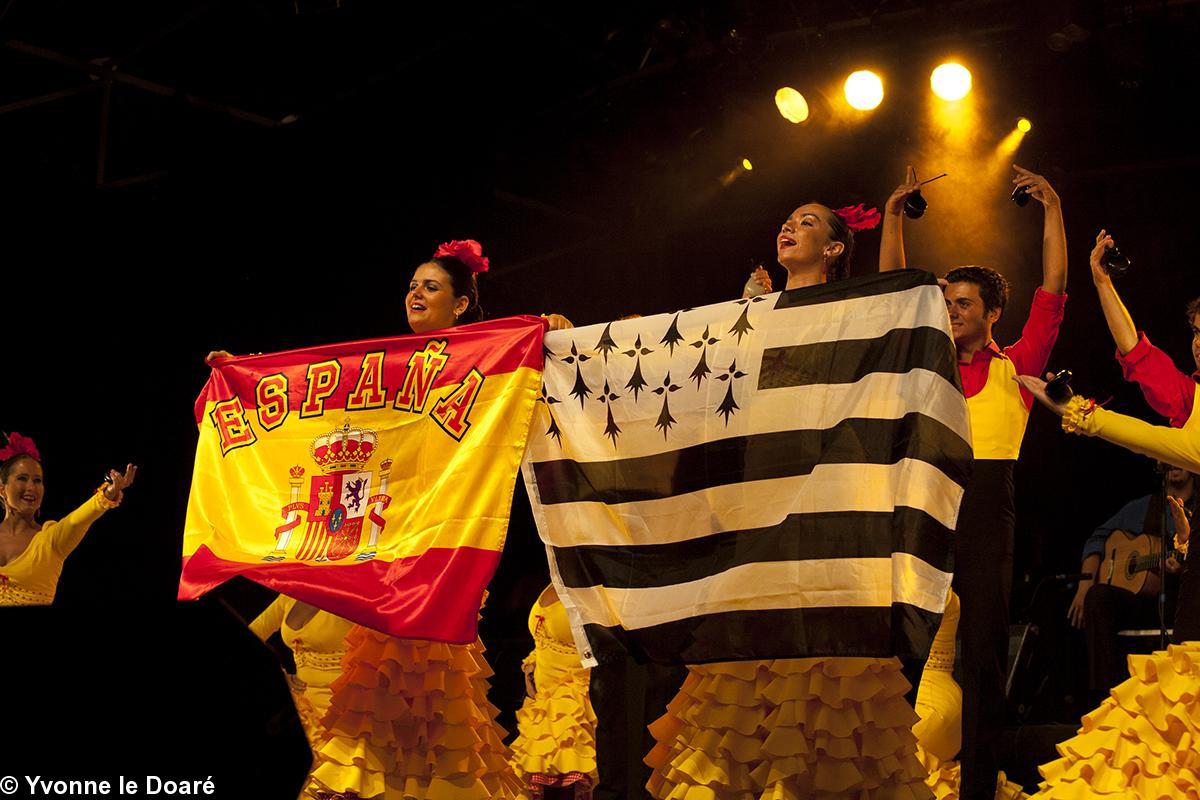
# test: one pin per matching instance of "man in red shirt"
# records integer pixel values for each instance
(999, 409)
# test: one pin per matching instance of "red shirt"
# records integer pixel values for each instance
(1166, 388)
(1029, 354)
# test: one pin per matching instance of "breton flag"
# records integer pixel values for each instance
(372, 479)
(768, 478)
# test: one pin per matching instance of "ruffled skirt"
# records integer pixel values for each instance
(1144, 739)
(788, 729)
(410, 720)
(310, 714)
(556, 731)
(945, 779)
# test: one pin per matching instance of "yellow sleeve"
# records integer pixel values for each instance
(1179, 447)
(271, 619)
(66, 534)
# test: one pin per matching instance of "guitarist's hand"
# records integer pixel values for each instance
(1173, 565)
(1075, 612)
(1183, 528)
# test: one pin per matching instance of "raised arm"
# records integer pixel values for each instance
(66, 534)
(891, 240)
(1179, 447)
(1120, 324)
(1054, 233)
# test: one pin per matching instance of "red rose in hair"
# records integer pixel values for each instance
(19, 445)
(468, 251)
(858, 218)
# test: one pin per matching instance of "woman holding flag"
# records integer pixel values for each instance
(411, 718)
(800, 727)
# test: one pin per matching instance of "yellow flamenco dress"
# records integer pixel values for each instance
(939, 705)
(31, 578)
(788, 729)
(317, 647)
(409, 719)
(1143, 741)
(556, 727)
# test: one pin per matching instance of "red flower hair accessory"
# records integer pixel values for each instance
(19, 445)
(858, 218)
(469, 252)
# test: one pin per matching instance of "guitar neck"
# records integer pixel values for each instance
(1151, 561)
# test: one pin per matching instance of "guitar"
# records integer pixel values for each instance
(1131, 562)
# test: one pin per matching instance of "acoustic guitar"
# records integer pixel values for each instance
(1131, 562)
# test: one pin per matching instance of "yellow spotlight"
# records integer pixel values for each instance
(951, 81)
(791, 105)
(746, 165)
(1009, 144)
(864, 90)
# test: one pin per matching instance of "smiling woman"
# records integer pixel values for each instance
(444, 290)
(32, 554)
(446, 744)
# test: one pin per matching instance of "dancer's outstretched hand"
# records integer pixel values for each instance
(118, 482)
(1037, 388)
(1103, 243)
(1039, 188)
(895, 203)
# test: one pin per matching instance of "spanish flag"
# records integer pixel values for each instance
(371, 479)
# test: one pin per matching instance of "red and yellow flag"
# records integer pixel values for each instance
(372, 479)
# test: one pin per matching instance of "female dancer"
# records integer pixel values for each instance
(32, 553)
(1141, 741)
(939, 704)
(556, 726)
(801, 727)
(317, 640)
(410, 718)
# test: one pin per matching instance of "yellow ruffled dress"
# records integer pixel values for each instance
(556, 727)
(1143, 741)
(788, 729)
(409, 719)
(317, 647)
(939, 705)
(31, 577)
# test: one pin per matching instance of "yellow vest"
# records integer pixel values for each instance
(998, 414)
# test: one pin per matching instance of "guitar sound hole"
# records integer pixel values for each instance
(1129, 566)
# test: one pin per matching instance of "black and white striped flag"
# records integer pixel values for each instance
(768, 478)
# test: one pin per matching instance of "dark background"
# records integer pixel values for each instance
(263, 174)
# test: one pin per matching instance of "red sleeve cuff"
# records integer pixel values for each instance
(1048, 301)
(1138, 352)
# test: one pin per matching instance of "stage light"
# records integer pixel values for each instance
(951, 81)
(746, 165)
(791, 105)
(864, 90)
(1009, 144)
